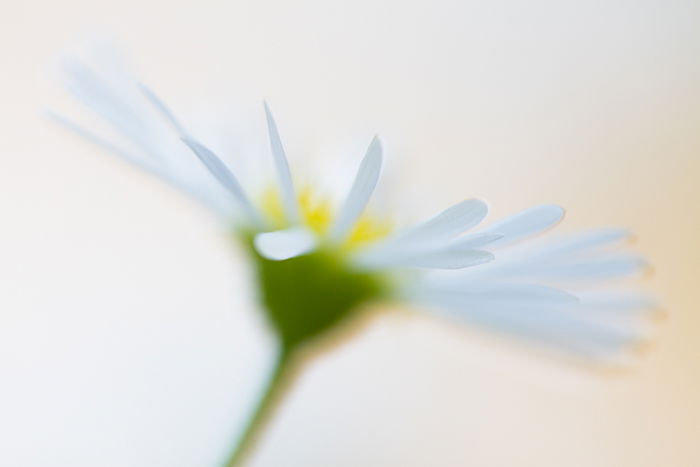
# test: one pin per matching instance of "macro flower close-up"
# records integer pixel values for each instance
(351, 234)
(317, 264)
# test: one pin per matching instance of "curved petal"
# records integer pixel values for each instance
(450, 222)
(227, 179)
(560, 325)
(526, 223)
(289, 198)
(284, 244)
(442, 258)
(580, 242)
(361, 191)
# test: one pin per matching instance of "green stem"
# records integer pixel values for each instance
(259, 416)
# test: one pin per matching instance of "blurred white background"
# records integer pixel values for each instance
(128, 332)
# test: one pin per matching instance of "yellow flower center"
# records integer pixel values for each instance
(317, 214)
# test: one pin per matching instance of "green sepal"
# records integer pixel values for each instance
(307, 295)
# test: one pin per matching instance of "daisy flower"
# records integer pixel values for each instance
(317, 263)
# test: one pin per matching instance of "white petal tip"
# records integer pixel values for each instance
(365, 182)
(555, 212)
(284, 244)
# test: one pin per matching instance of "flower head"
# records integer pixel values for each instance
(317, 263)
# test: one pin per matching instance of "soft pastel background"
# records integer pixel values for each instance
(128, 332)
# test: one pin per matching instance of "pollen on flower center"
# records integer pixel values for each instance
(317, 214)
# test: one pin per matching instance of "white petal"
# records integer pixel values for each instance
(595, 268)
(475, 240)
(444, 258)
(617, 301)
(160, 106)
(103, 143)
(398, 253)
(449, 259)
(517, 293)
(184, 184)
(227, 179)
(210, 160)
(361, 191)
(526, 223)
(394, 252)
(147, 141)
(450, 222)
(289, 199)
(580, 242)
(433, 238)
(445, 225)
(285, 244)
(114, 103)
(562, 326)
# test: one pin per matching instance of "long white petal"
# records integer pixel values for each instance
(210, 160)
(443, 258)
(227, 179)
(361, 191)
(289, 198)
(475, 240)
(526, 223)
(160, 106)
(596, 268)
(146, 140)
(285, 244)
(397, 253)
(502, 293)
(617, 301)
(581, 242)
(116, 106)
(103, 143)
(441, 227)
(561, 326)
(143, 163)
